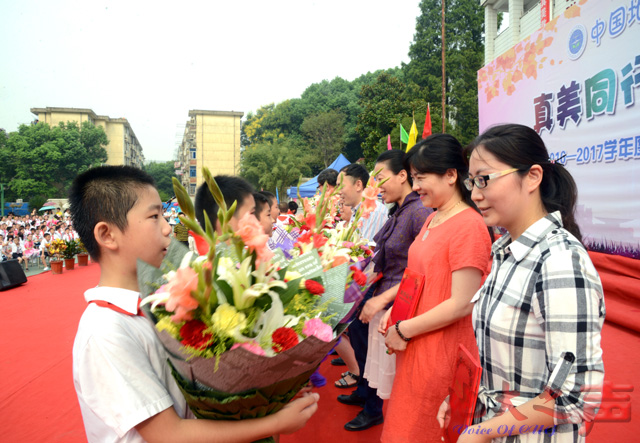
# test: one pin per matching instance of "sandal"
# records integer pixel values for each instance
(344, 384)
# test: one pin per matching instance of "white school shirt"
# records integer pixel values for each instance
(120, 369)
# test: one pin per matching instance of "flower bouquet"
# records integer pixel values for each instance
(244, 329)
(338, 242)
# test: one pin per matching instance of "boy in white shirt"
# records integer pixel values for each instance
(124, 386)
(44, 249)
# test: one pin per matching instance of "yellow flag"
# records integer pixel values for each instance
(413, 135)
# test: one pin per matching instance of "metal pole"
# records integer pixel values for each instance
(443, 74)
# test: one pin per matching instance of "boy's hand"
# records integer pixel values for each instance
(304, 391)
(296, 414)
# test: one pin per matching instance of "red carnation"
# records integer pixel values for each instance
(192, 333)
(359, 276)
(283, 339)
(314, 287)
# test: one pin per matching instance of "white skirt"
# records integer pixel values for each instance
(380, 368)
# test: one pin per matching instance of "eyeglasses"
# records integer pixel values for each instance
(481, 180)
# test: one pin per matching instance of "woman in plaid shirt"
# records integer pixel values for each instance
(539, 315)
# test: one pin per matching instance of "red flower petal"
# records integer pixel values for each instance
(192, 333)
(314, 287)
(283, 339)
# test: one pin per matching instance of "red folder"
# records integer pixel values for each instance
(404, 306)
(463, 393)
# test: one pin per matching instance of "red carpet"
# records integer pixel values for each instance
(38, 402)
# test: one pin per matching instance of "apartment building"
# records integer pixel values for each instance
(123, 148)
(211, 139)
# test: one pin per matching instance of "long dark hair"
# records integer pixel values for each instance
(394, 161)
(521, 147)
(438, 153)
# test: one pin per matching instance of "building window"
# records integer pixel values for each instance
(192, 153)
(192, 171)
(192, 189)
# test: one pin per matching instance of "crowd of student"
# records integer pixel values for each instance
(525, 304)
(26, 238)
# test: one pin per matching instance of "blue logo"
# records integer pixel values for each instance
(577, 42)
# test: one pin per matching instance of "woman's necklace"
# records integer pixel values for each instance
(439, 219)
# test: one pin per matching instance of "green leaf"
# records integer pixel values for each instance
(293, 287)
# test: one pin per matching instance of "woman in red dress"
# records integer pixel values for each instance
(452, 251)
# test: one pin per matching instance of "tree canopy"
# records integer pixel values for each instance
(325, 134)
(275, 165)
(373, 105)
(464, 27)
(324, 101)
(162, 172)
(39, 160)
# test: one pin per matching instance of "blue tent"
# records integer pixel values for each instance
(309, 188)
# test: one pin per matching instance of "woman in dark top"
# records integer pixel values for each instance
(392, 245)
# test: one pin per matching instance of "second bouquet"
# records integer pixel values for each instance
(244, 330)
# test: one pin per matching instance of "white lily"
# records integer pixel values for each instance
(155, 299)
(271, 320)
(239, 280)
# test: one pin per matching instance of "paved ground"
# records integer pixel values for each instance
(35, 269)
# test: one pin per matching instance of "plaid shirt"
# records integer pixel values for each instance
(280, 238)
(542, 298)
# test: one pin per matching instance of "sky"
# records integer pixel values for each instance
(151, 62)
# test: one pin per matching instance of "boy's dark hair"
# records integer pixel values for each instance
(328, 176)
(270, 197)
(104, 194)
(284, 207)
(261, 202)
(357, 172)
(233, 189)
(293, 207)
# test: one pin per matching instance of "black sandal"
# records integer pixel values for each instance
(343, 384)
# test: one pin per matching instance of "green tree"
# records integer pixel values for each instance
(41, 160)
(464, 51)
(275, 165)
(325, 133)
(285, 119)
(386, 104)
(162, 172)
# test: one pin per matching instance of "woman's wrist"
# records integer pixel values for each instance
(400, 334)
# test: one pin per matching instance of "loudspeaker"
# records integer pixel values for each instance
(11, 274)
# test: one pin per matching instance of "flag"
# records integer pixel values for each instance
(404, 137)
(426, 132)
(277, 196)
(413, 135)
(389, 147)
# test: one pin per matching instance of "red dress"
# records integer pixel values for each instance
(424, 371)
